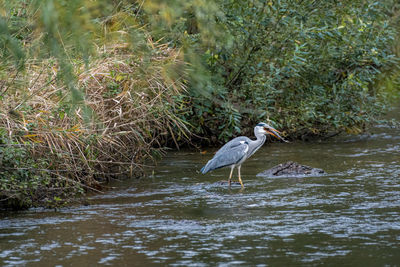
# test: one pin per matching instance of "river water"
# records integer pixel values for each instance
(179, 217)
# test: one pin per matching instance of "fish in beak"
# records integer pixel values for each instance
(274, 132)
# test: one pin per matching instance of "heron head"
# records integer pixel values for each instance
(264, 128)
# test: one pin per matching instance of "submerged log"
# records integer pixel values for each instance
(291, 169)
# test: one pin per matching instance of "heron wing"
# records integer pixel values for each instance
(236, 142)
(231, 153)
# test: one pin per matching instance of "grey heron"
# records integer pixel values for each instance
(236, 151)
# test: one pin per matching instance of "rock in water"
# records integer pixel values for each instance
(291, 169)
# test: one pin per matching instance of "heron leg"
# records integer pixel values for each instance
(240, 179)
(230, 175)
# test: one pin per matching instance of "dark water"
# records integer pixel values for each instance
(179, 217)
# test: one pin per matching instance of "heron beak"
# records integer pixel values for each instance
(275, 133)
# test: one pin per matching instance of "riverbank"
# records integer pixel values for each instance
(92, 91)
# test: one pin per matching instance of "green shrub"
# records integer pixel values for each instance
(25, 181)
(310, 66)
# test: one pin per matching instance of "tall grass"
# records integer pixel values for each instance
(75, 114)
(127, 115)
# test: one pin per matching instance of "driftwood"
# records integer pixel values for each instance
(291, 169)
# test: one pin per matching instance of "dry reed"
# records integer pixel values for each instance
(126, 114)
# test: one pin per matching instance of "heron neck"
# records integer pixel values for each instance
(261, 139)
(257, 143)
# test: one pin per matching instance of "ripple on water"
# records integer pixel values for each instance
(183, 218)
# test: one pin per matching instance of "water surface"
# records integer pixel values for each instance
(179, 217)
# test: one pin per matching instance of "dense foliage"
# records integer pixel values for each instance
(25, 181)
(310, 66)
(91, 89)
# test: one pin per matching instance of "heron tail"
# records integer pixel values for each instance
(206, 168)
(211, 165)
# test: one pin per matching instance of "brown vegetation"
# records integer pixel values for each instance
(126, 115)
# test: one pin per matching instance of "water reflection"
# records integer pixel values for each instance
(180, 217)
